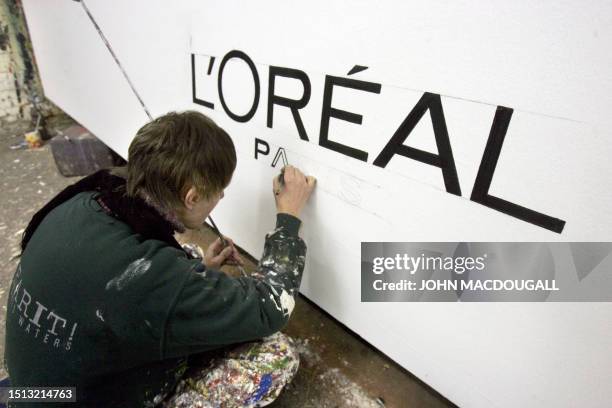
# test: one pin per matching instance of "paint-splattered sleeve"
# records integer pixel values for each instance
(214, 309)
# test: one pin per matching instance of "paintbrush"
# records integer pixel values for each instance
(224, 242)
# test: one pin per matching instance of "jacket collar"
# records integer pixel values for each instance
(141, 214)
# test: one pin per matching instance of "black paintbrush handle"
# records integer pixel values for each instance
(223, 241)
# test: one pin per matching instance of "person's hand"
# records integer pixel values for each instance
(293, 193)
(218, 255)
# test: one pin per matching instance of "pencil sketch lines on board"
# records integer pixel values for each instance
(346, 187)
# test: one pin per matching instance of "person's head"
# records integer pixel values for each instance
(182, 161)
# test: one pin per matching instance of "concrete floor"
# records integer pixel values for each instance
(337, 369)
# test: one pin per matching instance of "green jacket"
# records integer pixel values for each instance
(96, 305)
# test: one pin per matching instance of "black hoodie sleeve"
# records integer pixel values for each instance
(214, 309)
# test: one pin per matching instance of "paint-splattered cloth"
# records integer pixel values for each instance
(251, 375)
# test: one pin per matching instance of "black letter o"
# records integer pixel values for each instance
(245, 58)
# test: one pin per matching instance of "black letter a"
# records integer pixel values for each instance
(445, 158)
